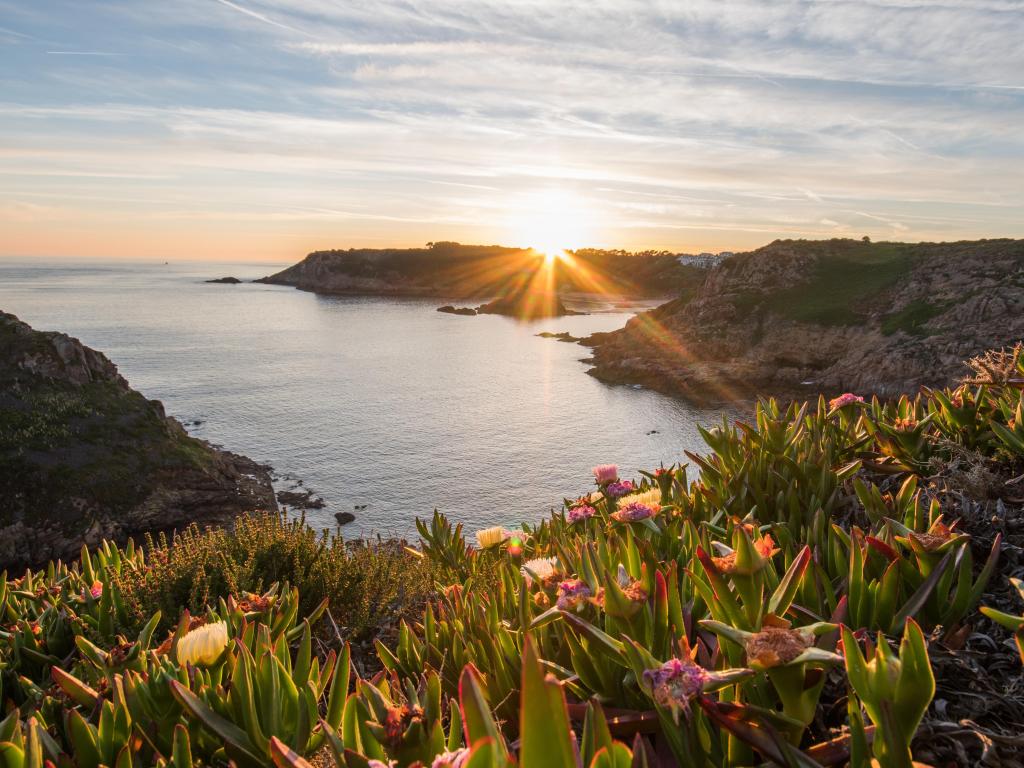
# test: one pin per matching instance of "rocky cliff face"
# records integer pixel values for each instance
(84, 457)
(796, 317)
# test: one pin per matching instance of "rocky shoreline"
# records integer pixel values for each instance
(83, 457)
(795, 318)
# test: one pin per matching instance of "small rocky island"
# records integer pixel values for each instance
(84, 457)
(226, 280)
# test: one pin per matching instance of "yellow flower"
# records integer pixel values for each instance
(649, 498)
(203, 646)
(491, 537)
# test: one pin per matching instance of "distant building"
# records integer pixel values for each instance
(702, 260)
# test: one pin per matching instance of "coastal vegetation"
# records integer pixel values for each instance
(832, 583)
(455, 271)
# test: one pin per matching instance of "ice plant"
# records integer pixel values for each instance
(847, 398)
(491, 537)
(454, 759)
(605, 473)
(619, 488)
(572, 593)
(789, 658)
(580, 512)
(1013, 623)
(675, 684)
(203, 646)
(895, 690)
(634, 512)
(540, 568)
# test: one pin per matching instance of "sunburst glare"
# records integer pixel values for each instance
(551, 221)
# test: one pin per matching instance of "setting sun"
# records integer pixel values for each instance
(552, 221)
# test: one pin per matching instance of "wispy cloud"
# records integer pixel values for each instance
(259, 16)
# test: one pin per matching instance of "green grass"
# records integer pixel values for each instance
(847, 277)
(912, 318)
(843, 282)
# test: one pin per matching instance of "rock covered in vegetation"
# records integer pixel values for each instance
(830, 315)
(84, 457)
(453, 270)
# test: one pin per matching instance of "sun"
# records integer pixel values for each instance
(551, 221)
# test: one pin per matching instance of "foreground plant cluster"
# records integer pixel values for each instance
(787, 605)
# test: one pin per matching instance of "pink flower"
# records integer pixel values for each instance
(455, 759)
(96, 590)
(634, 512)
(571, 593)
(582, 512)
(843, 400)
(617, 489)
(605, 473)
(675, 683)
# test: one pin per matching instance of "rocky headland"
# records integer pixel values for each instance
(83, 457)
(484, 272)
(798, 317)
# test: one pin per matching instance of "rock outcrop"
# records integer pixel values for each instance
(796, 317)
(84, 457)
(455, 271)
(226, 280)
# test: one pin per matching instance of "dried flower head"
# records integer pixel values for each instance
(775, 646)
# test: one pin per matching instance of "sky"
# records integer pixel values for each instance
(260, 130)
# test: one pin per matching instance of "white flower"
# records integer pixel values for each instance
(204, 645)
(540, 568)
(491, 537)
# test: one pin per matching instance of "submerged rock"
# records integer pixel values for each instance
(83, 457)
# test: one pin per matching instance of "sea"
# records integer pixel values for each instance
(383, 407)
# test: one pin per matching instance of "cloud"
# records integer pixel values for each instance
(669, 121)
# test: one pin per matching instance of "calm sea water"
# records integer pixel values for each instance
(382, 402)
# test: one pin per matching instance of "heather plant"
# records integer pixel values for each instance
(363, 581)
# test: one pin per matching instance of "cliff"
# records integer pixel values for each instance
(455, 271)
(84, 457)
(798, 316)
